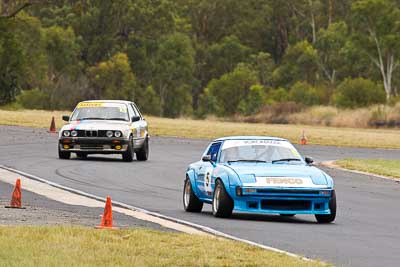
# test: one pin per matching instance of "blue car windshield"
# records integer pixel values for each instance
(259, 151)
(100, 111)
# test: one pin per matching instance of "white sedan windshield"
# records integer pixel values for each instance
(100, 111)
(259, 151)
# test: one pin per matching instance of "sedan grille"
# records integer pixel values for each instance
(92, 133)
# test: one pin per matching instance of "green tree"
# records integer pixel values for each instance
(359, 92)
(264, 65)
(173, 73)
(377, 32)
(329, 45)
(225, 55)
(231, 88)
(62, 50)
(12, 65)
(299, 63)
(113, 79)
(302, 92)
(254, 100)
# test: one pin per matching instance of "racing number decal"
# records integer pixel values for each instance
(207, 181)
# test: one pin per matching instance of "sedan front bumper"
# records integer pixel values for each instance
(281, 200)
(93, 145)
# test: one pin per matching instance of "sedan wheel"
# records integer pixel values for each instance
(191, 202)
(222, 204)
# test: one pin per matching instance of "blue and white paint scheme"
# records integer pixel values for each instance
(255, 174)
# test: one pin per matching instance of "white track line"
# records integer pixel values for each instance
(155, 214)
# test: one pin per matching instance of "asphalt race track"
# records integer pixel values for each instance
(366, 231)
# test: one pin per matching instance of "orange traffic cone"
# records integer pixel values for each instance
(303, 139)
(106, 220)
(53, 126)
(16, 196)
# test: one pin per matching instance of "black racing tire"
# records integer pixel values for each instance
(129, 153)
(287, 215)
(81, 155)
(63, 154)
(328, 218)
(143, 153)
(222, 204)
(191, 203)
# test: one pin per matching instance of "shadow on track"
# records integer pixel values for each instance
(264, 218)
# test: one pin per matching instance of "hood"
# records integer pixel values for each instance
(280, 170)
(97, 125)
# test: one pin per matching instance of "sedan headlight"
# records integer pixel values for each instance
(66, 133)
(74, 133)
(117, 134)
(109, 134)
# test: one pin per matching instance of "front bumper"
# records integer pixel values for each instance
(281, 200)
(94, 145)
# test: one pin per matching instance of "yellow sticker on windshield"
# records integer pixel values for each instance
(123, 109)
(90, 104)
(295, 152)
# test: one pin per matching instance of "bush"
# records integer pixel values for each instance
(302, 92)
(148, 101)
(277, 96)
(254, 100)
(34, 99)
(359, 92)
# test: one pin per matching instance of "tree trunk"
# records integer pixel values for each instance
(330, 12)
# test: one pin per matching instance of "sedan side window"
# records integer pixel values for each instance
(213, 151)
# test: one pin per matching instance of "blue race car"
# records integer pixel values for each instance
(254, 174)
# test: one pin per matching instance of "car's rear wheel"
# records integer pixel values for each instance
(143, 153)
(222, 204)
(191, 202)
(327, 218)
(63, 154)
(129, 153)
(81, 155)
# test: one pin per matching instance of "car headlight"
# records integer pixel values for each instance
(109, 134)
(117, 134)
(66, 133)
(74, 133)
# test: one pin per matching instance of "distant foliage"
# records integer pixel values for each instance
(302, 92)
(358, 92)
(231, 88)
(187, 57)
(34, 99)
(254, 100)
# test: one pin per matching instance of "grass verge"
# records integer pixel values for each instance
(79, 246)
(376, 166)
(210, 129)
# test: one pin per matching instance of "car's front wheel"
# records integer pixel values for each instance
(129, 153)
(63, 154)
(143, 153)
(191, 202)
(327, 218)
(222, 204)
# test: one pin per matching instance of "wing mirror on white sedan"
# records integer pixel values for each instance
(309, 160)
(135, 118)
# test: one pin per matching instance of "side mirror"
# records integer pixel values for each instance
(206, 158)
(135, 118)
(309, 160)
(65, 118)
